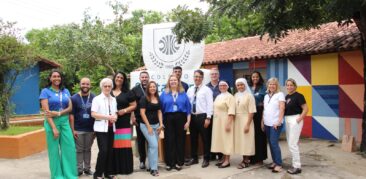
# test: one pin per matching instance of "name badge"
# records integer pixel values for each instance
(175, 108)
(86, 116)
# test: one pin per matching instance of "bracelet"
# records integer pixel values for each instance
(59, 113)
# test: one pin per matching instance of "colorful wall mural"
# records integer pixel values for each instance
(333, 87)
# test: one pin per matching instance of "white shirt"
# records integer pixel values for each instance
(100, 105)
(204, 99)
(272, 108)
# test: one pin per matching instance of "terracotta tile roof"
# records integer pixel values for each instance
(328, 38)
(46, 64)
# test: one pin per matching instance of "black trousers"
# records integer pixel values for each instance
(141, 141)
(174, 138)
(105, 154)
(197, 128)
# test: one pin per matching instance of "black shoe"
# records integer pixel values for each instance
(80, 173)
(294, 171)
(177, 167)
(205, 163)
(192, 162)
(224, 166)
(88, 172)
(142, 165)
(154, 173)
(168, 168)
(218, 164)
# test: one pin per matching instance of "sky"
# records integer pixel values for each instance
(35, 14)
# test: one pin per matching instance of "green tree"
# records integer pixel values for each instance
(278, 17)
(14, 57)
(95, 48)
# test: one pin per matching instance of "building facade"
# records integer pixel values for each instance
(327, 64)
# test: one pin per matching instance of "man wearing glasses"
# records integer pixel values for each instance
(201, 99)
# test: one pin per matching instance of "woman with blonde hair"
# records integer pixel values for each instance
(295, 113)
(274, 109)
(176, 109)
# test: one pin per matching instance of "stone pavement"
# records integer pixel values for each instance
(320, 159)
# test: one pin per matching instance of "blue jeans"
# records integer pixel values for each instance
(272, 136)
(152, 141)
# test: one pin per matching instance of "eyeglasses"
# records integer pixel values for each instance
(197, 76)
(107, 86)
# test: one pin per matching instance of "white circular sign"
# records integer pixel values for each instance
(161, 49)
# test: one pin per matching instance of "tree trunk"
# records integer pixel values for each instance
(360, 21)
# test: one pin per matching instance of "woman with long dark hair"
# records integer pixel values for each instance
(56, 103)
(152, 124)
(122, 148)
(258, 88)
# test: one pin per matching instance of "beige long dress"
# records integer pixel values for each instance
(244, 143)
(223, 141)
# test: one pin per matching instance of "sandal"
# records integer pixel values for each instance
(272, 166)
(277, 169)
(243, 164)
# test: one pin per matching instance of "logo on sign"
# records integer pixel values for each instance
(161, 49)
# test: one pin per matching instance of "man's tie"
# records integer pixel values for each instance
(194, 100)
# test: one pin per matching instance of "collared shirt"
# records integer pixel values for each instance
(182, 102)
(204, 99)
(259, 95)
(56, 100)
(271, 111)
(81, 105)
(103, 105)
(215, 90)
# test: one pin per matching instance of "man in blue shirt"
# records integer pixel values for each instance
(82, 126)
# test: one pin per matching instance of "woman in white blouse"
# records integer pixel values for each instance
(274, 109)
(104, 110)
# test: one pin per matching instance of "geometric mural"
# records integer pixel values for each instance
(324, 69)
(325, 127)
(332, 85)
(278, 68)
(325, 101)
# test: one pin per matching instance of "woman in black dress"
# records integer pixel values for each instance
(256, 84)
(122, 149)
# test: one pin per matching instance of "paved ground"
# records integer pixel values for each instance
(320, 159)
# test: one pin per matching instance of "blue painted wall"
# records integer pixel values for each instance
(227, 73)
(26, 94)
(277, 68)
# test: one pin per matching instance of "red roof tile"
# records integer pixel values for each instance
(328, 38)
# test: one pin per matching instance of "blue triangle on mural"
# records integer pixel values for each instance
(321, 132)
(320, 107)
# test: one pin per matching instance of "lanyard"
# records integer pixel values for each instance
(270, 97)
(59, 94)
(175, 97)
(109, 106)
(142, 89)
(86, 103)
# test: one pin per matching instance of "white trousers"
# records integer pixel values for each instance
(293, 131)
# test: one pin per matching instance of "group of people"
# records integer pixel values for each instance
(228, 124)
